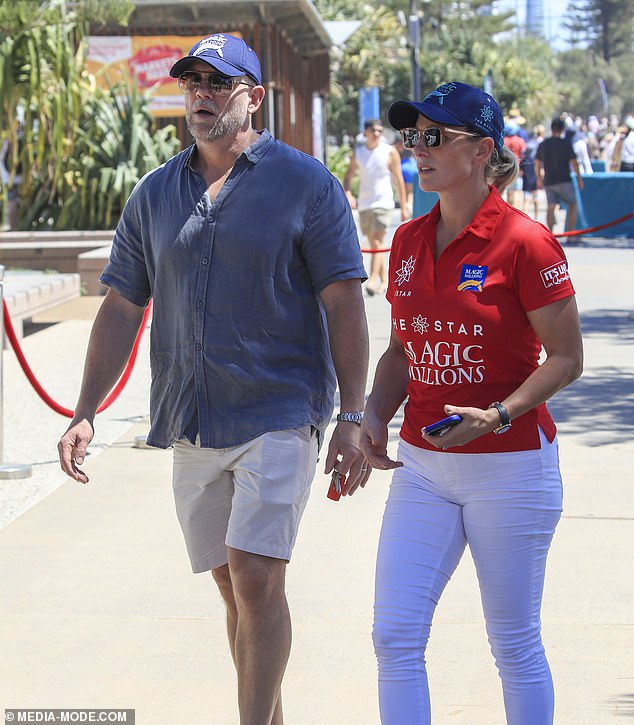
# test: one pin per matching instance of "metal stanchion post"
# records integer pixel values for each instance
(7, 470)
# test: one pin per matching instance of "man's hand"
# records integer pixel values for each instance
(344, 454)
(72, 449)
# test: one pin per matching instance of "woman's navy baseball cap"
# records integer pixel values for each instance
(228, 54)
(453, 104)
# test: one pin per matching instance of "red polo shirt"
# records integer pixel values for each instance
(462, 319)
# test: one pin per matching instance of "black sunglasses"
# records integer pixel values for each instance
(219, 85)
(432, 137)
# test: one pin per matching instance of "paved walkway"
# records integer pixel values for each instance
(98, 608)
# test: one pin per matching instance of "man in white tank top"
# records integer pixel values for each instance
(379, 168)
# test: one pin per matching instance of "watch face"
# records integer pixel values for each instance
(502, 429)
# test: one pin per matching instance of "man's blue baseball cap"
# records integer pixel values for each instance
(453, 104)
(228, 54)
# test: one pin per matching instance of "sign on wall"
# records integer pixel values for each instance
(117, 58)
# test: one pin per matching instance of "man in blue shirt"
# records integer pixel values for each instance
(248, 249)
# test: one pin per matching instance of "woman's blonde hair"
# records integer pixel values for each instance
(502, 167)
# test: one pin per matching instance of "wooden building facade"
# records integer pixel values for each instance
(290, 40)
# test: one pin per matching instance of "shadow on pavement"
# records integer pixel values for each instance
(598, 404)
(623, 705)
(617, 324)
(598, 242)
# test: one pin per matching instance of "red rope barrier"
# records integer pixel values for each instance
(574, 233)
(376, 251)
(112, 395)
(597, 228)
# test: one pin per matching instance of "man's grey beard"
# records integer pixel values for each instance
(227, 124)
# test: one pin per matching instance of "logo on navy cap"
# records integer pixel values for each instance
(214, 42)
(440, 93)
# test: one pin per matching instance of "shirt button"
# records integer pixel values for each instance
(199, 347)
(204, 260)
(199, 303)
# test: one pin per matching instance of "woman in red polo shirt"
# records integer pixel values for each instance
(476, 288)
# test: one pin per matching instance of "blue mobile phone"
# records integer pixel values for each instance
(440, 427)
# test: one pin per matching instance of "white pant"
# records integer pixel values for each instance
(506, 507)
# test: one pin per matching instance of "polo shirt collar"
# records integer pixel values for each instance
(488, 216)
(485, 221)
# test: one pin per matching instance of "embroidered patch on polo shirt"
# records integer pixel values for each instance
(472, 278)
(555, 274)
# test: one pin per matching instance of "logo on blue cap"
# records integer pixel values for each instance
(215, 42)
(227, 53)
(440, 93)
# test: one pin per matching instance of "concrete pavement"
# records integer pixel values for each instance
(98, 607)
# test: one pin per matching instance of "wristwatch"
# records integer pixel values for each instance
(350, 417)
(505, 418)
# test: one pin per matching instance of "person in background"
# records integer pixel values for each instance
(527, 168)
(624, 150)
(409, 171)
(516, 118)
(11, 177)
(576, 134)
(379, 168)
(554, 159)
(476, 289)
(612, 148)
(258, 311)
(516, 144)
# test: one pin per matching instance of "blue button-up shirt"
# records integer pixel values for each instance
(239, 342)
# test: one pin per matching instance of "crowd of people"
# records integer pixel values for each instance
(574, 147)
(606, 140)
(581, 147)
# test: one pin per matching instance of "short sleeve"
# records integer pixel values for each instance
(126, 270)
(571, 151)
(541, 271)
(330, 242)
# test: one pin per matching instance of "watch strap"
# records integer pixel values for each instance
(350, 417)
(505, 418)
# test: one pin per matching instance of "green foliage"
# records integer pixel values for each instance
(117, 144)
(373, 56)
(581, 72)
(83, 148)
(605, 26)
(339, 160)
(17, 15)
(602, 38)
(522, 71)
(458, 42)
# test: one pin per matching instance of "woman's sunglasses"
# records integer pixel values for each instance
(432, 137)
(217, 84)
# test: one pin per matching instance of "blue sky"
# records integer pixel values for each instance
(554, 10)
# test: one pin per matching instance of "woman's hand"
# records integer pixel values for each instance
(373, 442)
(475, 422)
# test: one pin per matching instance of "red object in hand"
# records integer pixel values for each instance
(337, 486)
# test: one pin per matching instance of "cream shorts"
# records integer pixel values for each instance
(250, 497)
(373, 221)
